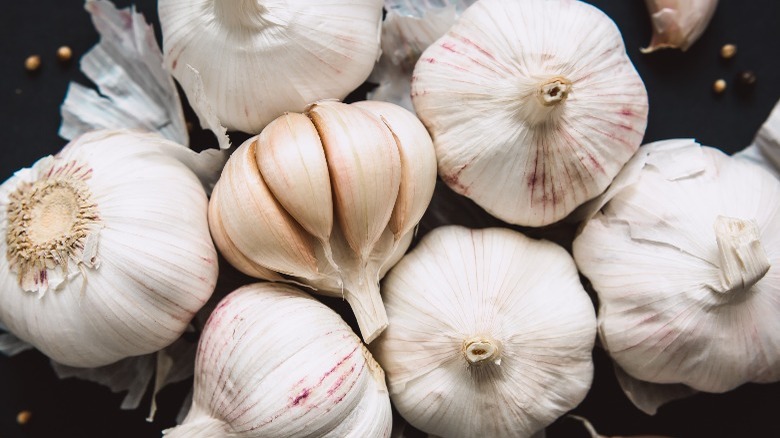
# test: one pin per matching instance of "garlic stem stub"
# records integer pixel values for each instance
(684, 259)
(329, 198)
(105, 251)
(677, 24)
(490, 334)
(274, 362)
(256, 59)
(530, 117)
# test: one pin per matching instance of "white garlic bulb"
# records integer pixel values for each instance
(329, 198)
(259, 58)
(677, 24)
(530, 117)
(765, 149)
(105, 250)
(490, 334)
(274, 362)
(684, 257)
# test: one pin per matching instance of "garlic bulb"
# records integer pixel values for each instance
(530, 117)
(677, 24)
(274, 362)
(105, 251)
(257, 59)
(765, 149)
(329, 198)
(684, 259)
(490, 334)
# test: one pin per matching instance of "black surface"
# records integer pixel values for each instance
(682, 104)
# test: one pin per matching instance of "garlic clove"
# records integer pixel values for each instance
(365, 171)
(418, 164)
(228, 249)
(677, 24)
(264, 232)
(525, 123)
(290, 145)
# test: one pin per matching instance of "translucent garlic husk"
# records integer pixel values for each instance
(530, 117)
(253, 60)
(684, 257)
(329, 199)
(105, 250)
(274, 362)
(677, 24)
(490, 334)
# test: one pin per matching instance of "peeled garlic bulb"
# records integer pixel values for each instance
(677, 24)
(105, 250)
(530, 117)
(490, 334)
(274, 362)
(328, 198)
(685, 259)
(257, 59)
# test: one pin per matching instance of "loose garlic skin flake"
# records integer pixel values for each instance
(105, 250)
(685, 259)
(490, 334)
(274, 362)
(533, 106)
(260, 58)
(329, 198)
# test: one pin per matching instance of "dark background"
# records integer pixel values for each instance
(682, 104)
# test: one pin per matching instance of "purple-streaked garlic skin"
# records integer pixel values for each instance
(275, 362)
(677, 24)
(525, 122)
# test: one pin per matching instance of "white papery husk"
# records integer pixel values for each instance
(144, 267)
(677, 24)
(408, 28)
(274, 362)
(765, 149)
(479, 91)
(521, 295)
(652, 256)
(257, 59)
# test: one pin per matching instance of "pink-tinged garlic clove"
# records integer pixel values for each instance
(677, 24)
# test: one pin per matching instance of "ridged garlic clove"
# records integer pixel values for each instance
(530, 121)
(274, 362)
(254, 60)
(684, 260)
(105, 251)
(490, 334)
(677, 24)
(329, 198)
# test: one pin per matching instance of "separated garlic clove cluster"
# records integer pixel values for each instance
(105, 250)
(677, 24)
(530, 117)
(490, 334)
(684, 258)
(249, 61)
(329, 198)
(274, 362)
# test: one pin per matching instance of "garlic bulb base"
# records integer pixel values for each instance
(742, 256)
(479, 351)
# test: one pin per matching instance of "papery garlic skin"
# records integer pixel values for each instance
(685, 259)
(677, 24)
(530, 117)
(105, 251)
(259, 58)
(274, 362)
(490, 334)
(329, 198)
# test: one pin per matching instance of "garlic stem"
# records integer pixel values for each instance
(481, 350)
(364, 299)
(554, 91)
(541, 99)
(743, 260)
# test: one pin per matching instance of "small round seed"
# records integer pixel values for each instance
(32, 63)
(23, 417)
(719, 86)
(728, 51)
(746, 78)
(64, 53)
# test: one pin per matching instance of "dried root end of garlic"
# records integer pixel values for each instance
(328, 198)
(524, 123)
